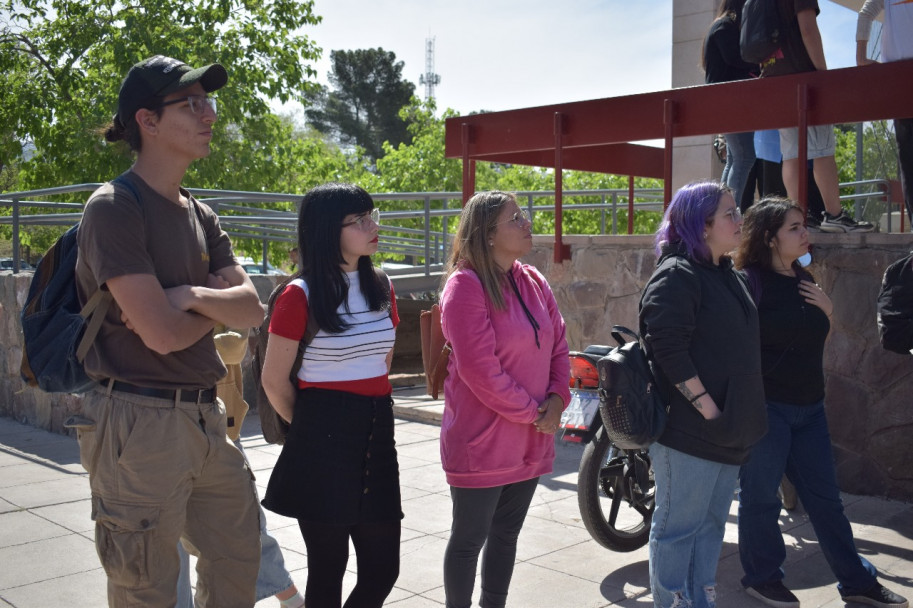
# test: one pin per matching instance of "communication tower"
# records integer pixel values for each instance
(429, 78)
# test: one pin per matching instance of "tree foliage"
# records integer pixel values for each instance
(363, 107)
(64, 60)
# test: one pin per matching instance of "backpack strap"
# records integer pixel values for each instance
(94, 310)
(96, 307)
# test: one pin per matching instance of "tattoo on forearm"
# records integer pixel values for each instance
(688, 395)
(685, 391)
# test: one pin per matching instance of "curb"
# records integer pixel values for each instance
(416, 414)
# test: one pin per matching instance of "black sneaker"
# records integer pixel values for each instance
(812, 223)
(879, 595)
(843, 223)
(774, 593)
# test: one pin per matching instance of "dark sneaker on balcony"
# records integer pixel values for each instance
(813, 223)
(774, 593)
(843, 223)
(879, 595)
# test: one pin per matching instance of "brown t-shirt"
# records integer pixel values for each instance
(792, 57)
(180, 246)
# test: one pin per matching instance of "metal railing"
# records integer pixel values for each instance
(423, 245)
(415, 227)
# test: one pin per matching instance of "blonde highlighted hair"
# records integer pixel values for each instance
(471, 248)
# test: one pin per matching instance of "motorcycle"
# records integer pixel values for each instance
(615, 489)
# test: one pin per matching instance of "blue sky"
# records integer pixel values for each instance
(505, 54)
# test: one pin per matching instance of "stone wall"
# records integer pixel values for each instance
(868, 388)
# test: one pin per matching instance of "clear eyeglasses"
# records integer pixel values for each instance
(520, 218)
(366, 221)
(197, 103)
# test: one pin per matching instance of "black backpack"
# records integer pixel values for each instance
(632, 409)
(895, 307)
(56, 331)
(761, 32)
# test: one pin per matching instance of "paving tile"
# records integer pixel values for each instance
(27, 472)
(533, 585)
(541, 537)
(430, 514)
(56, 491)
(429, 477)
(83, 590)
(21, 527)
(74, 516)
(46, 560)
(32, 440)
(421, 564)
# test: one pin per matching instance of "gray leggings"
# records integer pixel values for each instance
(491, 517)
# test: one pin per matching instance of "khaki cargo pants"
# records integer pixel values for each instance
(160, 471)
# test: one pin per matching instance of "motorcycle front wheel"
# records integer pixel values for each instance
(615, 510)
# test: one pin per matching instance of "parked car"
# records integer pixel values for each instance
(252, 267)
(7, 264)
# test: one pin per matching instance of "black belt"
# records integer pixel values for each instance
(205, 395)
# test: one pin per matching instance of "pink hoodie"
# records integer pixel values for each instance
(497, 379)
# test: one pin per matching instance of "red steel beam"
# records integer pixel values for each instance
(873, 92)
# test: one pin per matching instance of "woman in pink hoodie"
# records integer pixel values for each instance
(503, 398)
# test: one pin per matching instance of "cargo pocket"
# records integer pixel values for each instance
(122, 532)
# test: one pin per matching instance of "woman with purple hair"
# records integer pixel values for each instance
(700, 327)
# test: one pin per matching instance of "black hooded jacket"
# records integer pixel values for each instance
(698, 319)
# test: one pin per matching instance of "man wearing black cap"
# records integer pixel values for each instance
(153, 432)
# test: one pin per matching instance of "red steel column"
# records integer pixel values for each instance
(469, 166)
(562, 251)
(668, 122)
(630, 204)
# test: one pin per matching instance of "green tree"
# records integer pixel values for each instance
(363, 108)
(64, 61)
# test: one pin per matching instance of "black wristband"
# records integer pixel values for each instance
(696, 397)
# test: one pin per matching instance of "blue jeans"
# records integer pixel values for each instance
(740, 159)
(693, 496)
(797, 443)
(272, 577)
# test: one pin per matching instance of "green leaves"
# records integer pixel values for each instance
(64, 67)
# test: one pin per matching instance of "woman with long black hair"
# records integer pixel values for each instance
(337, 473)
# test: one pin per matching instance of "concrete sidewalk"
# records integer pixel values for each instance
(48, 560)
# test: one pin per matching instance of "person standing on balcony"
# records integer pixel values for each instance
(794, 315)
(153, 434)
(723, 62)
(802, 51)
(896, 44)
(508, 383)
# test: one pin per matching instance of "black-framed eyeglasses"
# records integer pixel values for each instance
(197, 103)
(365, 221)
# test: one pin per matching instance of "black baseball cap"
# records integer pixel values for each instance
(159, 76)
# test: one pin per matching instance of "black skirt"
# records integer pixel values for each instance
(338, 464)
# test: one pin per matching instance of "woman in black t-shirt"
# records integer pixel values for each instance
(794, 315)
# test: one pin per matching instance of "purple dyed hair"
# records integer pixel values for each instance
(687, 217)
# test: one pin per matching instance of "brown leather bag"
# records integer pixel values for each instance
(435, 350)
